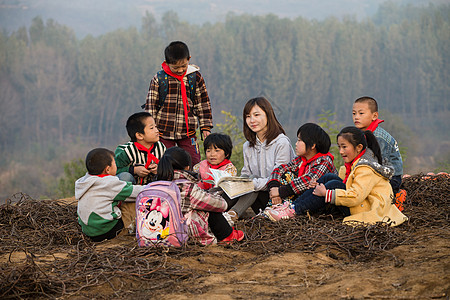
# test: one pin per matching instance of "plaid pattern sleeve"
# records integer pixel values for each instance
(278, 172)
(202, 107)
(316, 169)
(152, 97)
(202, 200)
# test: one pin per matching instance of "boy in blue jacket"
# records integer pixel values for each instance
(365, 117)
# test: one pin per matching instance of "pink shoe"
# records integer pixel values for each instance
(282, 212)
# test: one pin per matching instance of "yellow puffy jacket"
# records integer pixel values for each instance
(368, 193)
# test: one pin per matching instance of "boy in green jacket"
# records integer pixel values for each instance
(106, 204)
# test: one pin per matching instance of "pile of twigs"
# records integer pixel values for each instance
(35, 227)
(310, 234)
(428, 202)
(116, 269)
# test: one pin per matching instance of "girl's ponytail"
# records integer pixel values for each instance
(372, 143)
(174, 158)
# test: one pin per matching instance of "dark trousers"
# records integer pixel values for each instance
(110, 234)
(219, 225)
(395, 182)
(316, 204)
(189, 144)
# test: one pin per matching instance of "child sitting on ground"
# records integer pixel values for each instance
(138, 159)
(362, 191)
(202, 210)
(100, 194)
(312, 162)
(218, 148)
(365, 117)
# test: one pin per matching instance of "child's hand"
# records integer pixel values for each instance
(276, 200)
(274, 192)
(320, 190)
(312, 184)
(152, 168)
(205, 133)
(141, 171)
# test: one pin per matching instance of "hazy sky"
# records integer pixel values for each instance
(100, 16)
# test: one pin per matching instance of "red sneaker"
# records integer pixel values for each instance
(236, 235)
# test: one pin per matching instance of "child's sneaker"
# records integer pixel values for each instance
(227, 217)
(282, 212)
(231, 216)
(236, 235)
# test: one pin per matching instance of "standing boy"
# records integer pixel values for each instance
(138, 159)
(365, 117)
(100, 194)
(179, 102)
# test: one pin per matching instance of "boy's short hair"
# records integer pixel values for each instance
(176, 51)
(373, 105)
(221, 141)
(98, 159)
(311, 134)
(135, 124)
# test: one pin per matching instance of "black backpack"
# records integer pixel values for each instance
(164, 87)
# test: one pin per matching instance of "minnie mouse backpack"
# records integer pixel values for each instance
(159, 221)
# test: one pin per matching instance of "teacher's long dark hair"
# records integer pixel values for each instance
(174, 158)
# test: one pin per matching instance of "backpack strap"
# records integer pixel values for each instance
(192, 81)
(163, 87)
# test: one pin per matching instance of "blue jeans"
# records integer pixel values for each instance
(314, 204)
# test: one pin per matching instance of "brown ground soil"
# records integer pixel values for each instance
(419, 268)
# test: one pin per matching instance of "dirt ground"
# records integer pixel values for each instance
(418, 268)
(420, 271)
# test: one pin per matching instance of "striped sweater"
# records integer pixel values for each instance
(128, 155)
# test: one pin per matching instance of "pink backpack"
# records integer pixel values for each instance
(159, 221)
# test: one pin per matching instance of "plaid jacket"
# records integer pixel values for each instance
(314, 170)
(195, 206)
(170, 117)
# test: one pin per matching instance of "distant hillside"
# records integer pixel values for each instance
(101, 16)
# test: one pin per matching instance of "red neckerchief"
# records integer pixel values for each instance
(348, 166)
(374, 125)
(166, 69)
(305, 162)
(101, 175)
(150, 157)
(223, 163)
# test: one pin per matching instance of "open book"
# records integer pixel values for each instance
(233, 186)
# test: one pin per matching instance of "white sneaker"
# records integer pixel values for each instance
(228, 218)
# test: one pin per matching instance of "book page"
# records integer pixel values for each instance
(235, 188)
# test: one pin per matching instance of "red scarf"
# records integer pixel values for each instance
(206, 185)
(348, 166)
(101, 175)
(305, 162)
(374, 125)
(150, 157)
(223, 163)
(166, 69)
